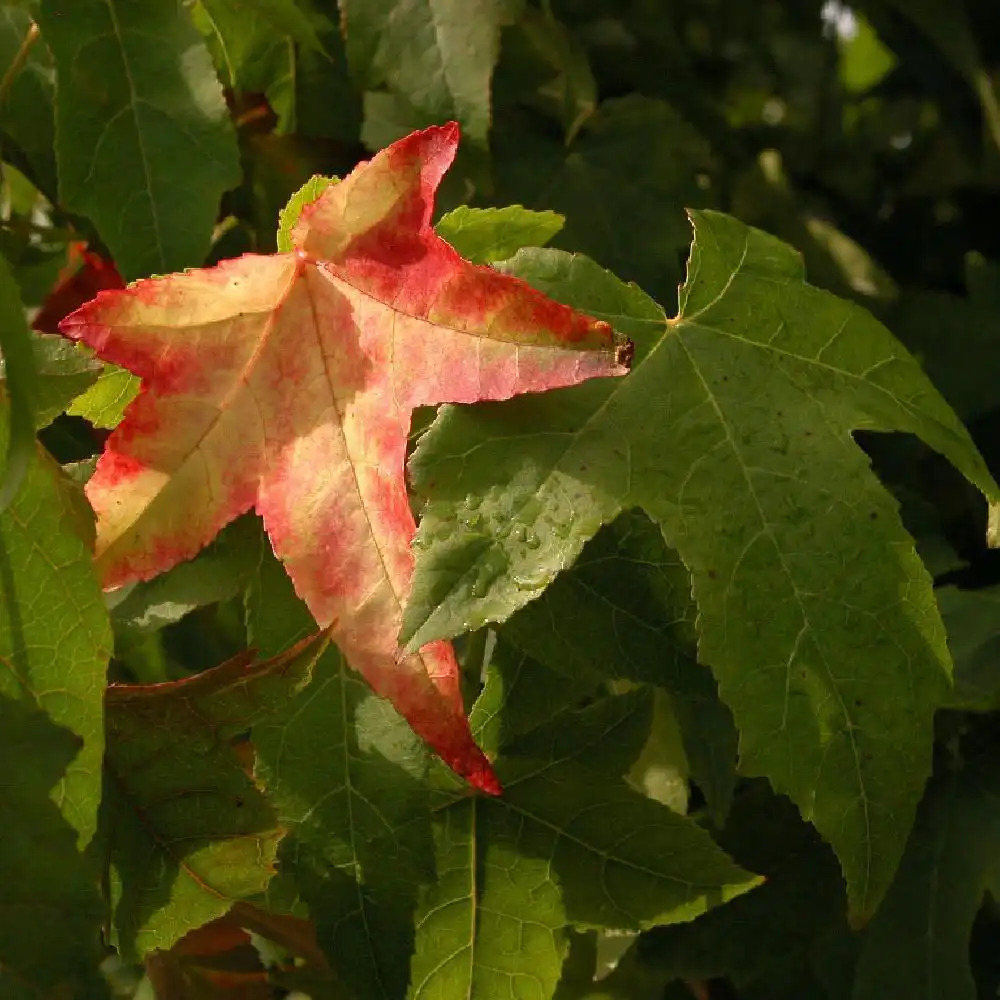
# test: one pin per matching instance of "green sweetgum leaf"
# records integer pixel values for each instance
(918, 943)
(144, 144)
(624, 610)
(569, 843)
(485, 235)
(187, 831)
(733, 433)
(802, 898)
(292, 52)
(251, 52)
(437, 55)
(54, 647)
(47, 882)
(343, 771)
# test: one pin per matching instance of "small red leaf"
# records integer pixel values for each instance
(286, 384)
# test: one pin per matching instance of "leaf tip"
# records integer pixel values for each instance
(484, 778)
(450, 131)
(470, 763)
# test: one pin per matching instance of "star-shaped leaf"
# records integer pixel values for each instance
(285, 383)
(569, 844)
(733, 433)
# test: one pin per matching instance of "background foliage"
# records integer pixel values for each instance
(286, 833)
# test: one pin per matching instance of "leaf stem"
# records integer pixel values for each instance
(17, 64)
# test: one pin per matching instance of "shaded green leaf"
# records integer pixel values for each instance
(54, 648)
(815, 613)
(143, 139)
(625, 610)
(520, 695)
(569, 843)
(277, 48)
(948, 28)
(326, 103)
(569, 88)
(918, 944)
(36, 268)
(216, 574)
(187, 831)
(802, 897)
(252, 53)
(240, 27)
(50, 908)
(577, 973)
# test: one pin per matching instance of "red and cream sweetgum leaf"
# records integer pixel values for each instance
(286, 383)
